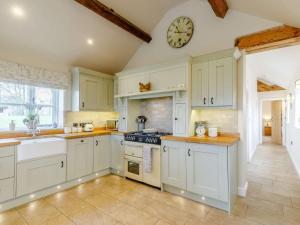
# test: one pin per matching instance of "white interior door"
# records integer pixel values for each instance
(277, 122)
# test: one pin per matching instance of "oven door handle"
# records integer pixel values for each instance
(132, 159)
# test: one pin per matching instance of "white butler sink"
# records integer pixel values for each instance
(33, 148)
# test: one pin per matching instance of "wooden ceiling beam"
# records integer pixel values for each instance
(263, 87)
(220, 7)
(115, 18)
(280, 36)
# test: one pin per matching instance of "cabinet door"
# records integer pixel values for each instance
(106, 95)
(221, 82)
(80, 158)
(89, 93)
(39, 174)
(200, 76)
(6, 189)
(169, 78)
(180, 119)
(207, 171)
(117, 153)
(174, 164)
(102, 153)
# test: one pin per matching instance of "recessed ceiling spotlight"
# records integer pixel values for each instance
(90, 41)
(17, 11)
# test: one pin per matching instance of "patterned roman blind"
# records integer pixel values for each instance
(34, 76)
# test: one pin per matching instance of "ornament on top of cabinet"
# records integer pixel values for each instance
(180, 32)
(145, 87)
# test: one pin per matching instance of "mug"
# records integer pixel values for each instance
(212, 132)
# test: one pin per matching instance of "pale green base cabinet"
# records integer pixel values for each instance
(204, 173)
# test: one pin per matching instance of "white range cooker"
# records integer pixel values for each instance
(142, 157)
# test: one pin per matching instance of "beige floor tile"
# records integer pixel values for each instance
(163, 222)
(272, 197)
(131, 216)
(266, 205)
(296, 203)
(134, 199)
(59, 220)
(292, 215)
(265, 217)
(240, 207)
(92, 216)
(104, 203)
(38, 212)
(11, 217)
(67, 204)
(167, 212)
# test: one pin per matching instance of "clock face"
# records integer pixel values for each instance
(180, 32)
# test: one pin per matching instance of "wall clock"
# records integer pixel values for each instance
(180, 32)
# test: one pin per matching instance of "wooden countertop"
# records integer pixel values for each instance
(84, 134)
(8, 142)
(223, 140)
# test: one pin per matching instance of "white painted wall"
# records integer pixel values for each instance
(211, 33)
(253, 120)
(293, 132)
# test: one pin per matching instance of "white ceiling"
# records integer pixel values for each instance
(55, 32)
(283, 11)
(278, 66)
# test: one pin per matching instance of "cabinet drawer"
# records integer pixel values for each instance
(7, 151)
(6, 189)
(7, 167)
(82, 140)
(135, 150)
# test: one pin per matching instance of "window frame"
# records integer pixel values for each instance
(31, 101)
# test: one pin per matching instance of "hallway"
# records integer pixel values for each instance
(274, 188)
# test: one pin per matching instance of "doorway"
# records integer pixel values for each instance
(272, 121)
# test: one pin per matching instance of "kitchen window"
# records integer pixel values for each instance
(16, 98)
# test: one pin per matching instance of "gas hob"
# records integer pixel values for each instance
(148, 138)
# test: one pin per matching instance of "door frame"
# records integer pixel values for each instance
(261, 100)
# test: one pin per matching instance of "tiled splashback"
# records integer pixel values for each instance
(98, 118)
(226, 120)
(159, 113)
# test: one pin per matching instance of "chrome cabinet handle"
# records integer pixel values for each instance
(81, 141)
(62, 164)
(97, 142)
(176, 118)
(82, 104)
(212, 101)
(121, 142)
(204, 101)
(189, 152)
(164, 148)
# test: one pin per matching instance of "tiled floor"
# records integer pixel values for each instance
(273, 199)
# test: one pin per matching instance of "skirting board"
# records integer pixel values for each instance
(243, 190)
(293, 160)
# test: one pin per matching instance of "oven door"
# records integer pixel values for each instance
(134, 168)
